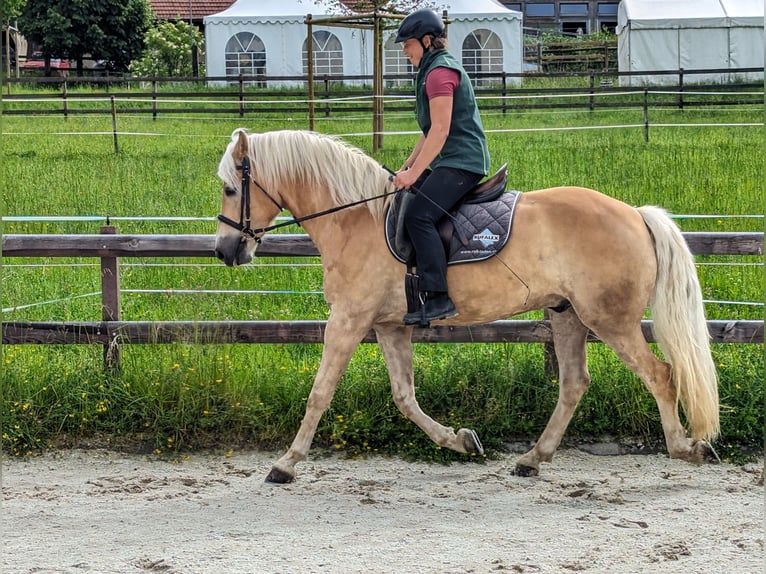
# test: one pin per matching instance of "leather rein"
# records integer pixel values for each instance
(243, 225)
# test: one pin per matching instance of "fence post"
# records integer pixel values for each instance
(241, 96)
(64, 98)
(592, 91)
(681, 89)
(646, 115)
(110, 301)
(327, 96)
(114, 125)
(504, 90)
(539, 56)
(154, 98)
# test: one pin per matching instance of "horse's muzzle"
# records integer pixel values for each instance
(232, 250)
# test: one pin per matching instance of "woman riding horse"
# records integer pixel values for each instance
(452, 144)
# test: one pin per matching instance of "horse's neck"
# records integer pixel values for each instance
(339, 233)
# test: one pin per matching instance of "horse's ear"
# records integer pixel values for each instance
(241, 147)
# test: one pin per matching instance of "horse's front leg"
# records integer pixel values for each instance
(396, 344)
(342, 336)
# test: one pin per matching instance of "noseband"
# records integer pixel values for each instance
(243, 225)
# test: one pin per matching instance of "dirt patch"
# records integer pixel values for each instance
(98, 511)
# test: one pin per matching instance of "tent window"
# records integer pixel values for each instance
(246, 55)
(483, 53)
(328, 54)
(395, 63)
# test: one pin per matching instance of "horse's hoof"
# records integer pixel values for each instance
(524, 470)
(277, 476)
(708, 454)
(470, 441)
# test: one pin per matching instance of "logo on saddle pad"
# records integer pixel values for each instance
(486, 238)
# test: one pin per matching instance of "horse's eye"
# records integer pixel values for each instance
(229, 191)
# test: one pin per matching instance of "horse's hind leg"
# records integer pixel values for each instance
(634, 351)
(569, 339)
(342, 336)
(396, 344)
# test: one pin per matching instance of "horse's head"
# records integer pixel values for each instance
(245, 212)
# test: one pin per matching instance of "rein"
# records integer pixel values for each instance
(243, 225)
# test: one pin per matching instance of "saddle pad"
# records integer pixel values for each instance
(478, 231)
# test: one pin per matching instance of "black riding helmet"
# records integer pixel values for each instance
(419, 24)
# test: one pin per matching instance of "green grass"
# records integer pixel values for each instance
(172, 397)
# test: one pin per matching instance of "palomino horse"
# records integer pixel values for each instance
(595, 260)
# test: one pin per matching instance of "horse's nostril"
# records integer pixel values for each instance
(219, 254)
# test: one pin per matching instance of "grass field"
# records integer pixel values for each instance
(187, 396)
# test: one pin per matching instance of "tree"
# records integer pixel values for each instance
(10, 10)
(108, 30)
(168, 50)
(390, 6)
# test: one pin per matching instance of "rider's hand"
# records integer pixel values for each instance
(405, 178)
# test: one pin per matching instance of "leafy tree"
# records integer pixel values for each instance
(9, 10)
(168, 50)
(109, 30)
(390, 6)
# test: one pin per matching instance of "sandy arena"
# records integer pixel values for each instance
(78, 511)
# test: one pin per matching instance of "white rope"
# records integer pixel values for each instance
(40, 303)
(171, 291)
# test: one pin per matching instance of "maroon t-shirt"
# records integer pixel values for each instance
(441, 82)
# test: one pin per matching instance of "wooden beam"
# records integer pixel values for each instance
(277, 245)
(287, 332)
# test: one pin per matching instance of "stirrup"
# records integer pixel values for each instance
(418, 315)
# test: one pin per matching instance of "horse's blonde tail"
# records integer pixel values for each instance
(680, 327)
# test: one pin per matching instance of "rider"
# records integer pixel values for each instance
(452, 145)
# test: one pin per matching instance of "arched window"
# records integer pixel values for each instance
(395, 63)
(483, 52)
(328, 54)
(246, 55)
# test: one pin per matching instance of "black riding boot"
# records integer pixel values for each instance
(436, 306)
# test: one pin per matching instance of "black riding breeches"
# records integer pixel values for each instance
(438, 191)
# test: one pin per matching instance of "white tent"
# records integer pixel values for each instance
(485, 35)
(267, 38)
(658, 35)
(261, 37)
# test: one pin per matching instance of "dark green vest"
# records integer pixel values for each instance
(466, 145)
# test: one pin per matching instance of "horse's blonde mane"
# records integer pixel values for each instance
(310, 160)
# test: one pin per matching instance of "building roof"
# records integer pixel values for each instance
(273, 11)
(179, 9)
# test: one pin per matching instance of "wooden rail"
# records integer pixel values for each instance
(222, 332)
(278, 245)
(112, 332)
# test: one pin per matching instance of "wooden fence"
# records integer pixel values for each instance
(112, 331)
(571, 56)
(166, 96)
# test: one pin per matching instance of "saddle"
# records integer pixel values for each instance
(474, 230)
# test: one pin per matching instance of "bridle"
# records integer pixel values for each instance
(243, 225)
